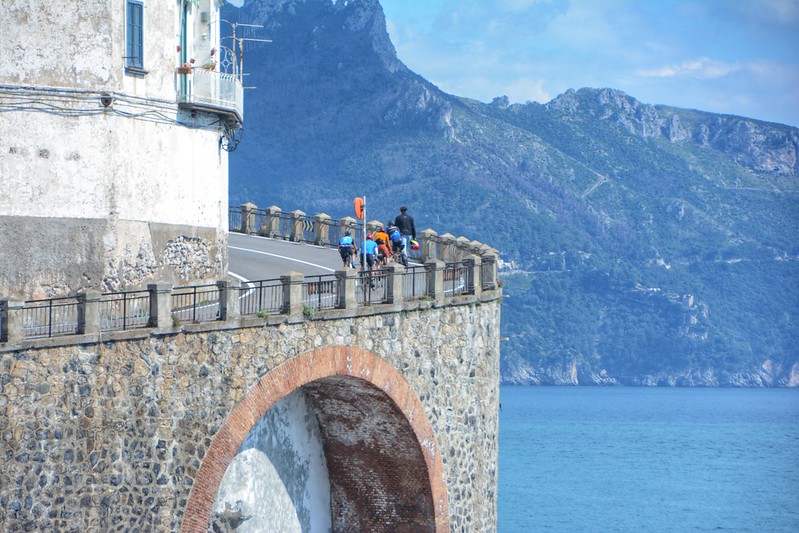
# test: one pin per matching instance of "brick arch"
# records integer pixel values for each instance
(321, 365)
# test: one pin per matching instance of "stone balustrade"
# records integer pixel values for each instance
(322, 230)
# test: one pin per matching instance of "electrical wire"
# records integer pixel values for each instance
(73, 103)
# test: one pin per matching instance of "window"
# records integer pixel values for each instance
(134, 36)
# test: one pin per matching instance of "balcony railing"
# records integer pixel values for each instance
(214, 91)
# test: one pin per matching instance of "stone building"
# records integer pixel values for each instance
(112, 114)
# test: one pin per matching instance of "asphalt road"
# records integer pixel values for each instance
(257, 258)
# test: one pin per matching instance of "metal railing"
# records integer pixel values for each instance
(486, 276)
(335, 231)
(320, 292)
(262, 297)
(285, 225)
(214, 90)
(234, 219)
(51, 317)
(372, 287)
(456, 280)
(198, 303)
(414, 283)
(120, 311)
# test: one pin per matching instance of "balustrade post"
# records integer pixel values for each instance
(11, 320)
(248, 218)
(229, 303)
(462, 248)
(272, 228)
(373, 226)
(395, 279)
(473, 264)
(475, 247)
(88, 312)
(447, 247)
(347, 287)
(297, 217)
(322, 227)
(160, 305)
(292, 295)
(429, 245)
(435, 279)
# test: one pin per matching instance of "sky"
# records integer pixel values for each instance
(738, 57)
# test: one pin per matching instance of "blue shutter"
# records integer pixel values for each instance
(134, 49)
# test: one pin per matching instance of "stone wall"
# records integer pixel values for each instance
(136, 432)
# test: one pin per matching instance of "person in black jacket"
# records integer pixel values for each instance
(404, 222)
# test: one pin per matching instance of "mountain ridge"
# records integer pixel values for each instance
(611, 214)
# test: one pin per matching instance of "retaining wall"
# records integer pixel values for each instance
(135, 431)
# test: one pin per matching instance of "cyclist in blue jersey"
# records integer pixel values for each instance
(370, 251)
(347, 249)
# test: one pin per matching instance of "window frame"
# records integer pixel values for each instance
(134, 37)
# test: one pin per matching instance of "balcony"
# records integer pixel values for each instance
(217, 92)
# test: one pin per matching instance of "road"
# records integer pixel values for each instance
(256, 258)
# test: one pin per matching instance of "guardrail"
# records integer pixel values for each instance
(322, 230)
(294, 295)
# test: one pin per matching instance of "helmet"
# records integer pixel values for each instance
(348, 233)
(414, 245)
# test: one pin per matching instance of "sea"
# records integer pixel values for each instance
(648, 459)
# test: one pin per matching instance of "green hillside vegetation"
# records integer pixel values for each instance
(642, 244)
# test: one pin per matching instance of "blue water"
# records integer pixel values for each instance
(648, 459)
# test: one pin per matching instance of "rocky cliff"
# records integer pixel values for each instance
(642, 244)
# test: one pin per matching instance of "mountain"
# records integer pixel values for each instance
(641, 244)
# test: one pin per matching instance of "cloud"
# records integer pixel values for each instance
(729, 56)
(702, 68)
(527, 89)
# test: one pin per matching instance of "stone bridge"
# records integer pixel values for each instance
(354, 413)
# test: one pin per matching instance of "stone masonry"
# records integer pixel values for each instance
(133, 432)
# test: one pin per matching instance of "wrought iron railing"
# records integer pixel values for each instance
(414, 283)
(214, 90)
(50, 317)
(234, 219)
(198, 303)
(487, 275)
(125, 310)
(121, 311)
(320, 292)
(457, 280)
(372, 287)
(262, 297)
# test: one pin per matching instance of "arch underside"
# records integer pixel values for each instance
(383, 466)
(378, 476)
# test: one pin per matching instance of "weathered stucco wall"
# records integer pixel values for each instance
(110, 435)
(134, 169)
(108, 166)
(83, 46)
(99, 202)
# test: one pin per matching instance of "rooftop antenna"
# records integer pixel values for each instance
(238, 47)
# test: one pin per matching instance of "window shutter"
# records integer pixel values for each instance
(134, 50)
